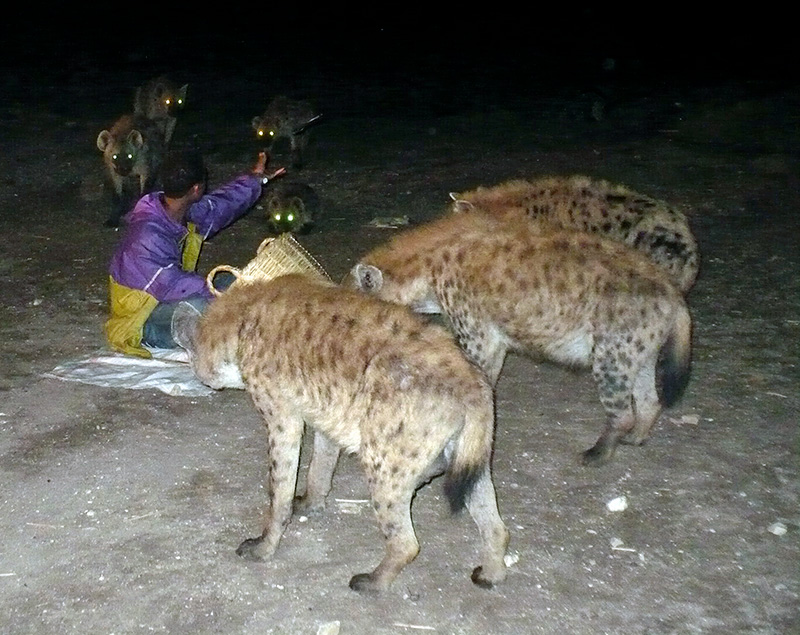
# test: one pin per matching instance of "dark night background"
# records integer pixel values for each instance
(498, 57)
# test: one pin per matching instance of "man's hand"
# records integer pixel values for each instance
(261, 164)
(260, 168)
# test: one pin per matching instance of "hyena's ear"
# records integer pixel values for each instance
(367, 278)
(256, 123)
(460, 205)
(297, 203)
(160, 89)
(135, 138)
(103, 140)
(182, 92)
(184, 325)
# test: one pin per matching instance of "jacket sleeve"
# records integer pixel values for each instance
(224, 205)
(155, 264)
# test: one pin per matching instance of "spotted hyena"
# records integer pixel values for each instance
(133, 150)
(288, 119)
(161, 100)
(653, 227)
(291, 207)
(572, 297)
(369, 377)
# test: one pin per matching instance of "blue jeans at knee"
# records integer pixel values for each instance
(158, 327)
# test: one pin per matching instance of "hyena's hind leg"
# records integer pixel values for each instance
(393, 511)
(482, 506)
(284, 437)
(320, 475)
(393, 475)
(646, 405)
(615, 384)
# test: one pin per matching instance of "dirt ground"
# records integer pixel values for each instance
(121, 509)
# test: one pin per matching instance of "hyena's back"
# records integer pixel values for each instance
(374, 379)
(649, 225)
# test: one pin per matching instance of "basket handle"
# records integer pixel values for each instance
(214, 272)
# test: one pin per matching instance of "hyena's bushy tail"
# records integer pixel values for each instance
(675, 359)
(473, 449)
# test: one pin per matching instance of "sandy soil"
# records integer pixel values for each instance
(121, 510)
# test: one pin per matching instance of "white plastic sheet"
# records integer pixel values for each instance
(168, 371)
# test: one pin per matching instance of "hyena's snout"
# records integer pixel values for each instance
(123, 163)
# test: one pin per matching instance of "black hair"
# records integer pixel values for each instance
(181, 170)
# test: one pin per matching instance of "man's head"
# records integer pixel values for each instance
(184, 173)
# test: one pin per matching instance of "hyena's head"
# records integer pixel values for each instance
(415, 292)
(287, 215)
(168, 98)
(212, 358)
(121, 151)
(266, 128)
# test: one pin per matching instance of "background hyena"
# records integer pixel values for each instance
(133, 149)
(369, 377)
(288, 119)
(573, 297)
(577, 202)
(160, 100)
(291, 206)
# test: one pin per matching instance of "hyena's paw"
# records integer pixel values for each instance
(253, 549)
(597, 455)
(307, 505)
(635, 438)
(364, 583)
(487, 580)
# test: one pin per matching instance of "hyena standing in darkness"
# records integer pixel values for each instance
(368, 376)
(160, 100)
(653, 227)
(133, 149)
(572, 297)
(288, 119)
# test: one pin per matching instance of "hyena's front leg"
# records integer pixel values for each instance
(615, 384)
(320, 475)
(298, 144)
(284, 436)
(482, 343)
(118, 201)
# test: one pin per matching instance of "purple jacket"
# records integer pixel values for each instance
(149, 255)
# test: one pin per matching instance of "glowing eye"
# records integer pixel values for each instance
(180, 102)
(114, 157)
(290, 217)
(130, 155)
(168, 101)
(271, 133)
(277, 216)
(260, 133)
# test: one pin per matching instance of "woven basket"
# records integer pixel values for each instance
(274, 257)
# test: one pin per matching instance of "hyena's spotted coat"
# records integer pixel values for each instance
(573, 297)
(651, 226)
(369, 377)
